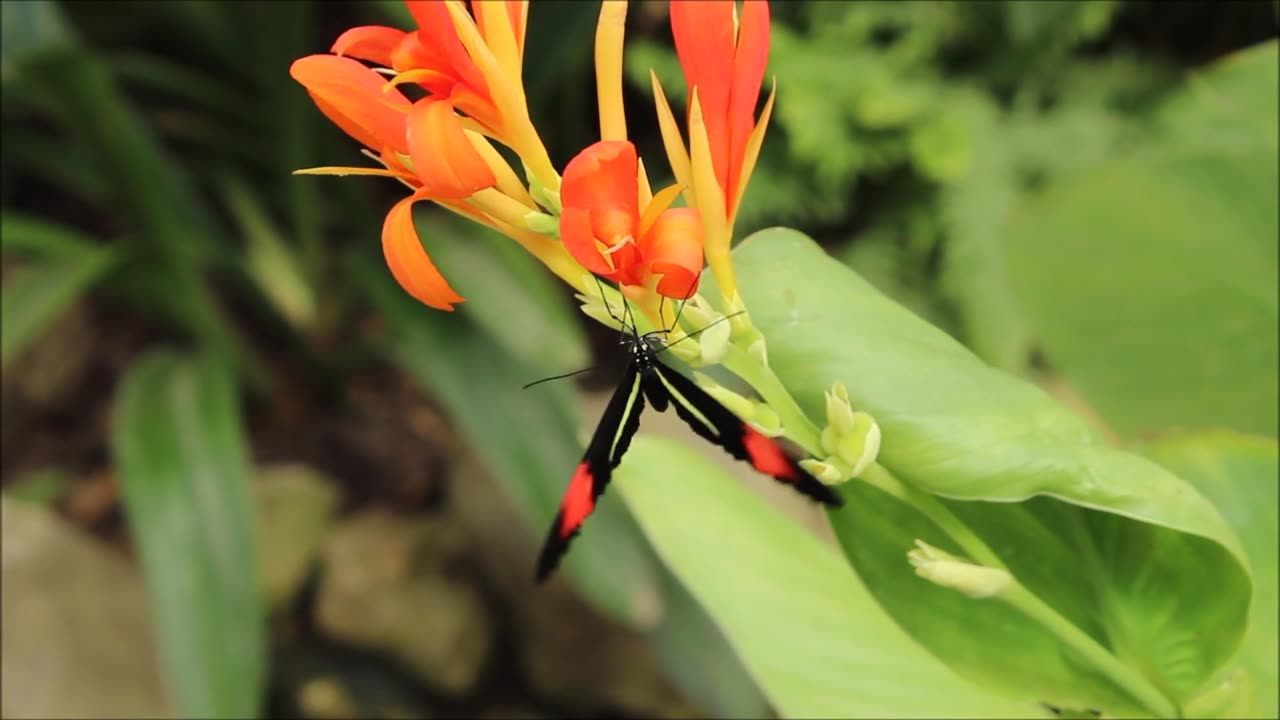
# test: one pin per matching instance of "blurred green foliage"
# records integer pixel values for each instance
(1073, 190)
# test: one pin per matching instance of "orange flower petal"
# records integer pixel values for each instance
(704, 38)
(437, 34)
(409, 262)
(673, 249)
(374, 43)
(580, 240)
(603, 176)
(750, 59)
(351, 95)
(443, 158)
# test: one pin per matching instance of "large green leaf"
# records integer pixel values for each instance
(179, 450)
(699, 658)
(1234, 103)
(1151, 282)
(954, 427)
(1239, 473)
(807, 630)
(529, 440)
(36, 295)
(1151, 279)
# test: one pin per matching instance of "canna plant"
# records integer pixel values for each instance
(999, 556)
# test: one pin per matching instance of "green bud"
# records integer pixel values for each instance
(546, 198)
(688, 351)
(861, 445)
(830, 439)
(714, 343)
(740, 406)
(757, 349)
(542, 223)
(739, 318)
(696, 314)
(839, 411)
(827, 472)
(949, 571)
(767, 421)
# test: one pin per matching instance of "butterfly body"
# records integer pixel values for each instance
(648, 378)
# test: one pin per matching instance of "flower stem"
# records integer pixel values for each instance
(1022, 599)
(795, 423)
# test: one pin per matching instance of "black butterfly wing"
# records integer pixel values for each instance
(715, 422)
(613, 435)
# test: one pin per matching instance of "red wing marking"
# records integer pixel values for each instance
(578, 502)
(766, 455)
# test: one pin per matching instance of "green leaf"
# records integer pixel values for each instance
(958, 429)
(1232, 104)
(700, 660)
(1162, 601)
(810, 634)
(35, 296)
(28, 236)
(1239, 474)
(516, 300)
(28, 29)
(1151, 282)
(528, 439)
(180, 452)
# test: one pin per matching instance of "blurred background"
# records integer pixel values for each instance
(245, 475)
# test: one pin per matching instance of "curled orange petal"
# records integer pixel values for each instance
(409, 262)
(602, 176)
(351, 95)
(374, 43)
(673, 249)
(579, 239)
(444, 159)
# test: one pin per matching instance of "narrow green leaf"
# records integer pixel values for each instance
(814, 639)
(169, 223)
(956, 428)
(528, 439)
(34, 296)
(34, 237)
(179, 450)
(1239, 474)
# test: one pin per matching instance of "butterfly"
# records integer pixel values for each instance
(648, 378)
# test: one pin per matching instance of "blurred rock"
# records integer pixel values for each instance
(390, 584)
(295, 507)
(77, 633)
(320, 681)
(570, 655)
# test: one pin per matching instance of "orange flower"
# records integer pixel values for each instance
(473, 60)
(723, 64)
(604, 229)
(422, 144)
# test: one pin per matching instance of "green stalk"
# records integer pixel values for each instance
(795, 423)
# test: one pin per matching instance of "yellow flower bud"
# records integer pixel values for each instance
(949, 571)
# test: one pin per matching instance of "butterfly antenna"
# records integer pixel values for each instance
(699, 331)
(558, 377)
